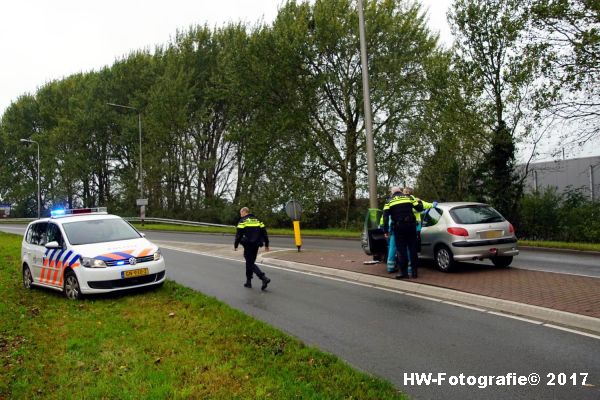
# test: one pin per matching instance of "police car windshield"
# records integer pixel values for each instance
(99, 231)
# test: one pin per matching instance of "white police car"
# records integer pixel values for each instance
(84, 251)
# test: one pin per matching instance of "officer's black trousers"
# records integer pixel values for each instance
(406, 242)
(250, 253)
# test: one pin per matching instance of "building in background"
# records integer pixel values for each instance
(574, 174)
(4, 210)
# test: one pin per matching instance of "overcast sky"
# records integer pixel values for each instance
(43, 40)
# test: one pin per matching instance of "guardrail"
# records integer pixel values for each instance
(176, 222)
(16, 220)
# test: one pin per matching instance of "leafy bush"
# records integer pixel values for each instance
(570, 216)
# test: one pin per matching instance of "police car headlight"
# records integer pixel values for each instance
(92, 263)
(157, 255)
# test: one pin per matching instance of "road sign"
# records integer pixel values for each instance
(293, 210)
(142, 202)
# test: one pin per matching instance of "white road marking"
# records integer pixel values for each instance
(531, 321)
(562, 328)
(464, 306)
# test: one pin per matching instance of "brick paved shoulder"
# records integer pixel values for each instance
(570, 293)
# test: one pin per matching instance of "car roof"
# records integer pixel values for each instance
(454, 204)
(63, 219)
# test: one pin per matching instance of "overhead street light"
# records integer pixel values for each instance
(39, 198)
(141, 199)
(367, 104)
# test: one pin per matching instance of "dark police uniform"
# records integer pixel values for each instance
(252, 234)
(400, 209)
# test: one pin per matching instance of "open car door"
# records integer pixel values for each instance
(372, 239)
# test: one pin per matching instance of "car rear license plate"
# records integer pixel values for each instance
(490, 234)
(134, 273)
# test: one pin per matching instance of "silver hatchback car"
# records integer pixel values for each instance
(465, 231)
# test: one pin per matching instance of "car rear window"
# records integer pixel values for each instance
(475, 214)
(99, 231)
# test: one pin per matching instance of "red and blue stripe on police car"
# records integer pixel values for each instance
(57, 260)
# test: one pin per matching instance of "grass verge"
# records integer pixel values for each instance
(332, 233)
(561, 245)
(166, 343)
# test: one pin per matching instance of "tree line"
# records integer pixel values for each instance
(259, 114)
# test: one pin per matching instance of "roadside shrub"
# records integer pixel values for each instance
(567, 217)
(540, 215)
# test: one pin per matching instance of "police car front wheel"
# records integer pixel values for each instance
(71, 287)
(27, 278)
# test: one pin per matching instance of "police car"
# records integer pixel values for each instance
(84, 251)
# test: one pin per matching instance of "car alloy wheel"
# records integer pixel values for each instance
(444, 259)
(27, 278)
(71, 286)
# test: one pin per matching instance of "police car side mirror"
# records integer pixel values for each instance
(143, 234)
(53, 245)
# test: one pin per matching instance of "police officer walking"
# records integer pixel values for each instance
(252, 234)
(400, 210)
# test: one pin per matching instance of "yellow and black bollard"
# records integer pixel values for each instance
(294, 211)
(297, 237)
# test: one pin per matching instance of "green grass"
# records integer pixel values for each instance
(159, 344)
(561, 245)
(335, 233)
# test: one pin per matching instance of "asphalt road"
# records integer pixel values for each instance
(390, 334)
(585, 264)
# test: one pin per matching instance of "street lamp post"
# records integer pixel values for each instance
(142, 206)
(39, 197)
(367, 104)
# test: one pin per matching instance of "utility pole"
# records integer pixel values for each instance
(142, 202)
(592, 183)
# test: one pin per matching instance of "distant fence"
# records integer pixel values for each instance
(134, 219)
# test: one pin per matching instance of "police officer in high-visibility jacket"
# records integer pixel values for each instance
(400, 210)
(252, 234)
(418, 216)
(391, 260)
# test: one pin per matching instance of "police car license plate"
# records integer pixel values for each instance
(490, 234)
(134, 273)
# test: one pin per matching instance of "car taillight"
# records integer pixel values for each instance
(458, 231)
(511, 228)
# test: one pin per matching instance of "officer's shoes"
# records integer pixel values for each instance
(248, 284)
(401, 276)
(265, 282)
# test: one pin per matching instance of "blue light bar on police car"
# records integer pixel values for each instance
(78, 211)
